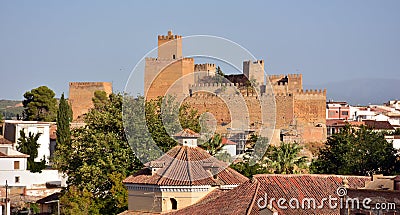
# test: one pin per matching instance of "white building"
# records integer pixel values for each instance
(364, 114)
(13, 168)
(12, 128)
(395, 139)
(229, 146)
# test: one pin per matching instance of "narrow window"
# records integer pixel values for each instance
(16, 164)
(16, 179)
(173, 57)
(174, 204)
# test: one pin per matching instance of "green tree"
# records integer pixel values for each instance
(219, 77)
(99, 158)
(40, 105)
(100, 99)
(64, 117)
(213, 145)
(285, 158)
(249, 169)
(357, 152)
(163, 117)
(29, 145)
(76, 201)
(219, 71)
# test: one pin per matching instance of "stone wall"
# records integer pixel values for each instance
(160, 75)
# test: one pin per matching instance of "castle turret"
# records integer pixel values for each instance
(254, 71)
(169, 46)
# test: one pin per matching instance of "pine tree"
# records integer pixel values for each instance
(40, 104)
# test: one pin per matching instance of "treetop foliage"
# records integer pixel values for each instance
(40, 105)
(357, 152)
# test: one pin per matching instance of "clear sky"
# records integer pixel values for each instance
(55, 42)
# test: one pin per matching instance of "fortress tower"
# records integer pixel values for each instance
(168, 68)
(169, 46)
(254, 71)
(81, 94)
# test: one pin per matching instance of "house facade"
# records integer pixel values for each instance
(12, 130)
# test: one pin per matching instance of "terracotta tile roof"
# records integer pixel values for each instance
(128, 212)
(378, 124)
(187, 166)
(377, 196)
(243, 199)
(187, 133)
(227, 142)
(335, 122)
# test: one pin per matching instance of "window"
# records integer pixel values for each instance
(174, 204)
(345, 113)
(16, 179)
(16, 164)
(173, 56)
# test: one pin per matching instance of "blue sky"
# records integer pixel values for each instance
(55, 42)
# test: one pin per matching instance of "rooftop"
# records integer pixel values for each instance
(187, 166)
(187, 133)
(8, 152)
(384, 125)
(245, 197)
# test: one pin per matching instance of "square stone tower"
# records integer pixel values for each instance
(254, 71)
(169, 46)
(81, 94)
(168, 69)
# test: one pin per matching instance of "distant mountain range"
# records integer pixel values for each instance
(361, 91)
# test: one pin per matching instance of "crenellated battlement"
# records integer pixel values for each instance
(294, 75)
(170, 36)
(204, 67)
(275, 76)
(216, 85)
(311, 92)
(279, 83)
(260, 62)
(86, 84)
(206, 94)
(167, 59)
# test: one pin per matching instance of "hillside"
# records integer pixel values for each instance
(10, 108)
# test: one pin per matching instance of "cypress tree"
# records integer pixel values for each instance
(64, 116)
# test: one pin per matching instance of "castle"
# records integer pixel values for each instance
(299, 116)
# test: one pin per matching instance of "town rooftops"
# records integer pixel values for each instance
(381, 125)
(186, 166)
(245, 199)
